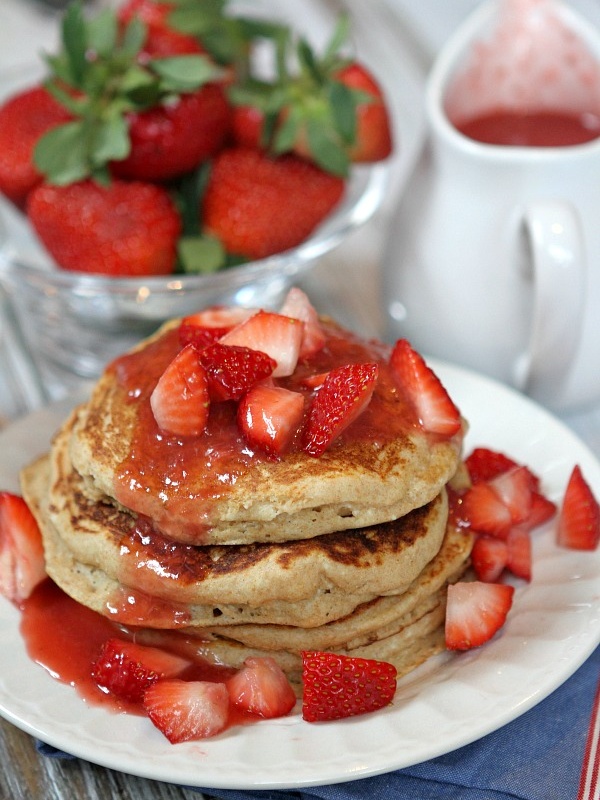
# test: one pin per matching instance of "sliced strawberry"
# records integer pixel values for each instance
(484, 511)
(187, 710)
(22, 564)
(180, 400)
(484, 464)
(424, 390)
(278, 336)
(127, 669)
(270, 417)
(298, 306)
(542, 510)
(344, 395)
(488, 557)
(518, 553)
(514, 488)
(336, 686)
(232, 370)
(314, 381)
(261, 687)
(579, 517)
(475, 612)
(211, 324)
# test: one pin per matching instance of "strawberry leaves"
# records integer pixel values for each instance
(99, 78)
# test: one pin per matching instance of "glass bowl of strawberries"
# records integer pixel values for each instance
(171, 156)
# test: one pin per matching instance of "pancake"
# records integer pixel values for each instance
(216, 490)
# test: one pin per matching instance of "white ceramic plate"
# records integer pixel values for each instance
(452, 700)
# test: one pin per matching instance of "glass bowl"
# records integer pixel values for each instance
(77, 323)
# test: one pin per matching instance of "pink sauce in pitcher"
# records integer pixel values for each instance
(535, 129)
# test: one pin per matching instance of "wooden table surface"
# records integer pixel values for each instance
(344, 285)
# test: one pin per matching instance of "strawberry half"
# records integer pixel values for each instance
(424, 390)
(344, 395)
(232, 370)
(337, 686)
(180, 400)
(187, 710)
(579, 518)
(270, 417)
(488, 558)
(127, 669)
(278, 336)
(484, 464)
(261, 687)
(497, 505)
(475, 612)
(22, 564)
(298, 306)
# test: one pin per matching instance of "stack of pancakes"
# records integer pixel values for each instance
(350, 552)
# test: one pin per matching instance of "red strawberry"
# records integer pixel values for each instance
(187, 710)
(257, 205)
(424, 390)
(127, 669)
(123, 229)
(475, 612)
(278, 336)
(174, 138)
(180, 400)
(373, 134)
(270, 417)
(298, 306)
(232, 370)
(542, 510)
(336, 686)
(24, 118)
(497, 505)
(22, 564)
(484, 464)
(161, 38)
(579, 518)
(261, 687)
(344, 395)
(518, 553)
(488, 557)
(247, 126)
(211, 324)
(153, 12)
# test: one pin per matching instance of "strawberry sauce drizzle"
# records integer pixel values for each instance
(65, 638)
(176, 481)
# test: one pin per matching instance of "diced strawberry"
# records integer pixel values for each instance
(314, 381)
(261, 687)
(424, 390)
(542, 510)
(475, 612)
(488, 557)
(278, 336)
(211, 324)
(22, 564)
(579, 517)
(180, 400)
(484, 464)
(232, 370)
(187, 710)
(495, 506)
(518, 555)
(337, 686)
(270, 417)
(298, 306)
(483, 510)
(514, 488)
(344, 395)
(127, 669)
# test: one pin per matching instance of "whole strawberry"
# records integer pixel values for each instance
(123, 229)
(258, 205)
(24, 118)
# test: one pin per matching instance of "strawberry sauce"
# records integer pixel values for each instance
(177, 481)
(541, 129)
(65, 638)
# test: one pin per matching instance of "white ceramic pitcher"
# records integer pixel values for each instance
(493, 260)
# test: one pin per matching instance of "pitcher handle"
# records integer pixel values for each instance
(557, 273)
